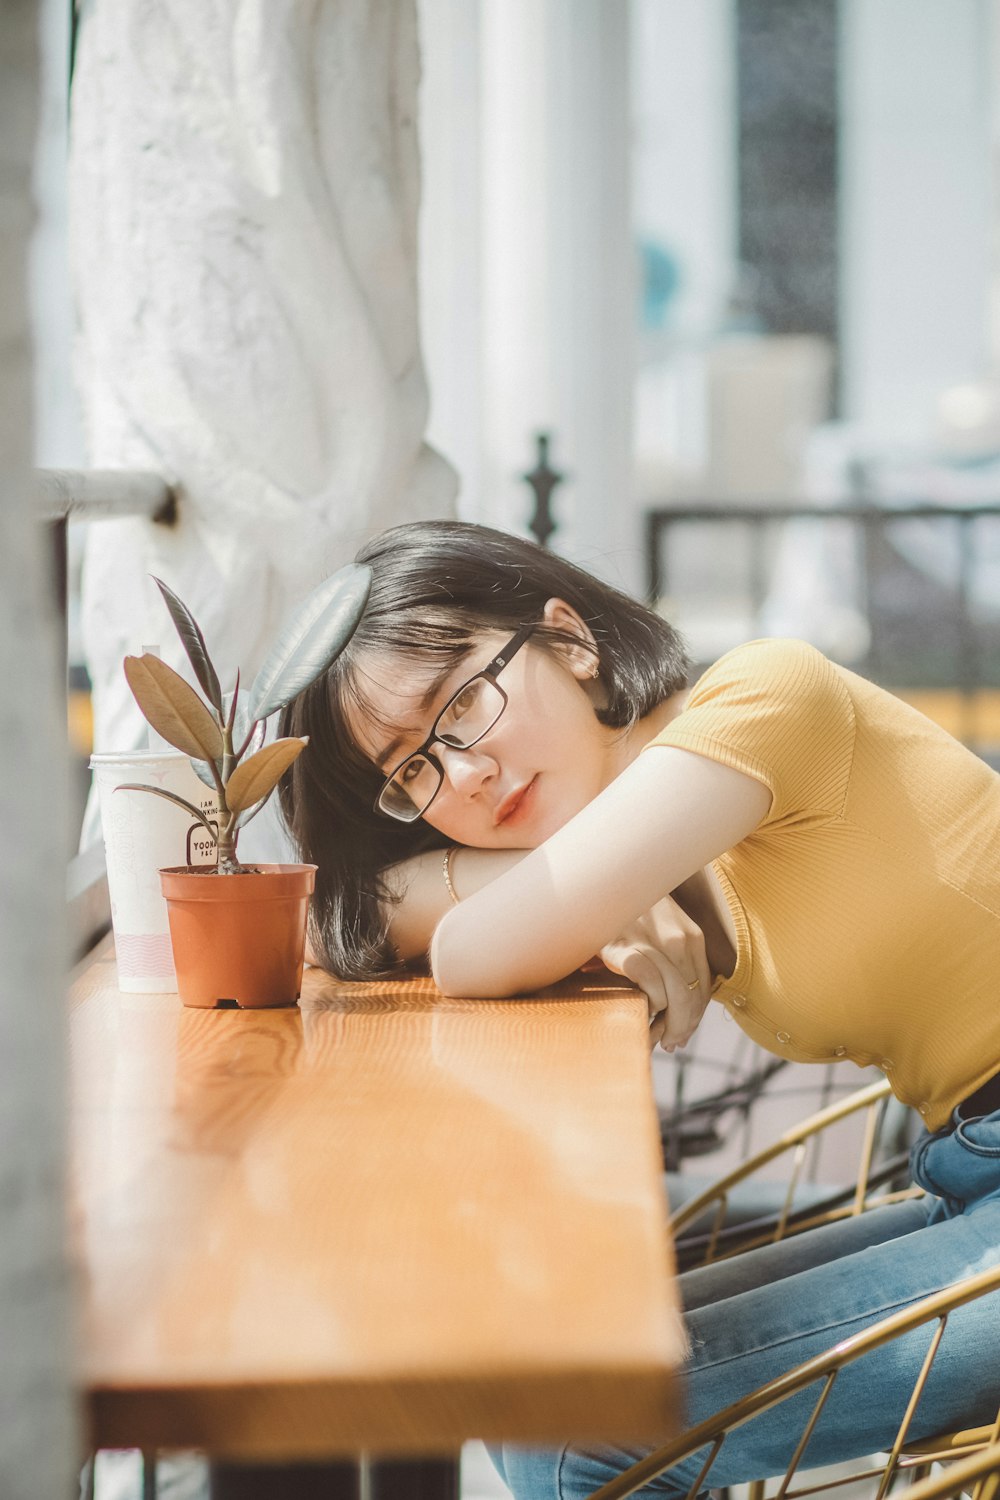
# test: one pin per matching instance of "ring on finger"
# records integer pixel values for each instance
(693, 985)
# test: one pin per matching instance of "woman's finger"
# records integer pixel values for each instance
(687, 1001)
(641, 966)
(681, 990)
(668, 928)
(656, 1029)
(637, 963)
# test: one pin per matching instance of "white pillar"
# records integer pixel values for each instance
(451, 286)
(37, 1424)
(558, 278)
(244, 195)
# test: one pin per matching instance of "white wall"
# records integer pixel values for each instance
(916, 208)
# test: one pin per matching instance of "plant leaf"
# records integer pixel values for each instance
(203, 772)
(193, 641)
(234, 698)
(173, 707)
(157, 791)
(259, 775)
(245, 817)
(313, 639)
(241, 724)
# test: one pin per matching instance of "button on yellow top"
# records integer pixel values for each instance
(783, 1036)
(840, 1051)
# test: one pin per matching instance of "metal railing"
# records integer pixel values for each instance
(62, 496)
(924, 633)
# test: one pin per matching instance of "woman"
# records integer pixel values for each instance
(508, 770)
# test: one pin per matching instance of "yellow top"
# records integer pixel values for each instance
(867, 903)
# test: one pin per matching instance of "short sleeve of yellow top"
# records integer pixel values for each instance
(867, 903)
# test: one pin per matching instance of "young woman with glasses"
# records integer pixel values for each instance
(508, 771)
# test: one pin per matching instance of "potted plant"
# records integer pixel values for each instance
(238, 931)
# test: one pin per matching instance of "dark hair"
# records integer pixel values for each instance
(436, 585)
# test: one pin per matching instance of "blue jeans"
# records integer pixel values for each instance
(759, 1314)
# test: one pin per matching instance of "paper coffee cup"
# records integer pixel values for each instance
(142, 834)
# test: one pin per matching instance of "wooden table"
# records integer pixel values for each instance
(383, 1221)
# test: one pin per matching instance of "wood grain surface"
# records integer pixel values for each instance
(385, 1220)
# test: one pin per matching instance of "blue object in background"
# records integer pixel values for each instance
(660, 279)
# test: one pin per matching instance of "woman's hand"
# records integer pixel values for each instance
(663, 952)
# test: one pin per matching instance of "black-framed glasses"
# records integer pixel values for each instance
(466, 718)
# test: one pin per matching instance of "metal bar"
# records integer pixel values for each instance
(148, 1475)
(911, 1406)
(967, 646)
(667, 516)
(872, 1120)
(855, 1477)
(720, 1219)
(825, 1095)
(60, 588)
(543, 480)
(696, 1488)
(95, 494)
(758, 531)
(655, 522)
(807, 1433)
(798, 1159)
(872, 530)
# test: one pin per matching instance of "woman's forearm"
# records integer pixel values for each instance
(423, 897)
(668, 815)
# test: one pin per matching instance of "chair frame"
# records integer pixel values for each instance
(825, 1368)
(873, 1098)
(981, 1471)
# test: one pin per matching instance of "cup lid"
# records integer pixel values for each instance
(134, 757)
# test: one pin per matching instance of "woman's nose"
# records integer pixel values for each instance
(466, 770)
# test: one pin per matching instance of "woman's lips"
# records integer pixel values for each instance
(515, 807)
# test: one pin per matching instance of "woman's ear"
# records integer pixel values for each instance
(582, 659)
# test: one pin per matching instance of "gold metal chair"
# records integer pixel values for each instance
(822, 1371)
(710, 1208)
(977, 1476)
(948, 1447)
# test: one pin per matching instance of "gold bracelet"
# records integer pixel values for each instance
(446, 872)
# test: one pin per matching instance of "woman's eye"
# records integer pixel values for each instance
(464, 700)
(410, 771)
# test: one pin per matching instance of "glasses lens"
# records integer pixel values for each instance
(472, 713)
(410, 789)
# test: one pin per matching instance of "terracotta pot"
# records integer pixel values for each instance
(238, 937)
